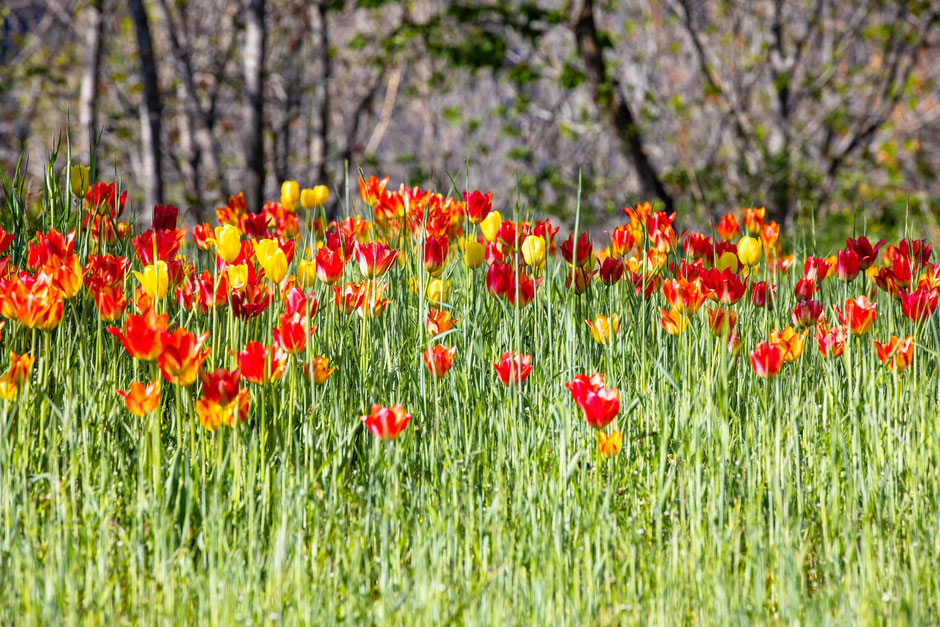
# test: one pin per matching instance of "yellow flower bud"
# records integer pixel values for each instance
(307, 273)
(272, 259)
(316, 197)
(78, 179)
(533, 250)
(290, 194)
(474, 254)
(237, 276)
(154, 279)
(728, 261)
(490, 225)
(227, 242)
(749, 251)
(438, 290)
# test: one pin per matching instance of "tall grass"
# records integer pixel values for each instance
(811, 497)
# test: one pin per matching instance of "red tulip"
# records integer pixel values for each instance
(763, 295)
(141, 400)
(599, 404)
(611, 271)
(386, 424)
(806, 313)
(816, 269)
(726, 287)
(582, 252)
(847, 265)
(831, 340)
(374, 259)
(766, 360)
(513, 368)
(896, 354)
(684, 296)
(439, 359)
(478, 204)
(181, 356)
(262, 365)
(143, 334)
(867, 254)
(435, 254)
(919, 305)
(329, 265)
(721, 321)
(806, 288)
(859, 315)
(223, 399)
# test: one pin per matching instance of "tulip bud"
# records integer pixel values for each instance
(490, 225)
(533, 250)
(316, 197)
(473, 254)
(749, 251)
(290, 194)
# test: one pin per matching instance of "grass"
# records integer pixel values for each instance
(811, 497)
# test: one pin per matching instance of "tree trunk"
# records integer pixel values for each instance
(254, 104)
(88, 106)
(151, 107)
(610, 100)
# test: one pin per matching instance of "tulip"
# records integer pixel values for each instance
(439, 321)
(728, 227)
(725, 286)
(110, 302)
(789, 342)
(181, 356)
(14, 379)
(438, 290)
(350, 297)
(473, 254)
(533, 250)
(321, 369)
(721, 321)
(769, 234)
(611, 271)
(578, 279)
(290, 194)
(858, 316)
(685, 296)
(610, 444)
(479, 205)
(490, 225)
(293, 332)
(754, 220)
(237, 276)
(329, 265)
(847, 265)
(374, 259)
(831, 340)
(622, 240)
(580, 255)
(223, 399)
(896, 354)
(143, 334)
(599, 404)
(672, 321)
(866, 253)
(307, 273)
(316, 197)
(728, 261)
(766, 360)
(513, 368)
(227, 242)
(763, 295)
(386, 424)
(141, 400)
(919, 305)
(272, 259)
(435, 255)
(806, 313)
(372, 304)
(439, 359)
(698, 246)
(79, 179)
(749, 251)
(372, 190)
(262, 365)
(603, 327)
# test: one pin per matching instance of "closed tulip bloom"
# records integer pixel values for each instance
(603, 327)
(580, 254)
(859, 315)
(155, 280)
(321, 369)
(110, 302)
(237, 276)
(534, 250)
(610, 444)
(439, 359)
(386, 423)
(754, 220)
(329, 265)
(13, 381)
(143, 334)
(766, 360)
(867, 254)
(223, 399)
(749, 251)
(435, 255)
(672, 321)
(490, 225)
(141, 400)
(831, 340)
(316, 197)
(439, 321)
(272, 259)
(684, 295)
(521, 290)
(293, 332)
(79, 179)
(896, 354)
(763, 295)
(789, 342)
(806, 313)
(721, 321)
(728, 260)
(182, 356)
(307, 273)
(290, 194)
(513, 368)
(599, 404)
(438, 290)
(611, 271)
(479, 205)
(474, 254)
(374, 259)
(227, 242)
(847, 265)
(919, 305)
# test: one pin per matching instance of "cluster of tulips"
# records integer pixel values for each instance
(254, 266)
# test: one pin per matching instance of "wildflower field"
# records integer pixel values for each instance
(443, 408)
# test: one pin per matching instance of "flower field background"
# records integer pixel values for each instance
(441, 408)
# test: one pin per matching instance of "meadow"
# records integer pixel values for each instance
(404, 416)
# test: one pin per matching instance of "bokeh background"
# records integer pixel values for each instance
(824, 111)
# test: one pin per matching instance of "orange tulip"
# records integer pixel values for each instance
(386, 423)
(143, 334)
(439, 321)
(766, 360)
(181, 356)
(603, 327)
(896, 354)
(262, 365)
(223, 400)
(721, 321)
(672, 321)
(859, 315)
(141, 400)
(610, 444)
(789, 342)
(684, 295)
(14, 379)
(439, 359)
(321, 369)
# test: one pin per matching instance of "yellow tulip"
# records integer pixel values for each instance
(438, 290)
(490, 225)
(533, 250)
(238, 276)
(227, 242)
(474, 254)
(78, 179)
(610, 444)
(290, 194)
(749, 251)
(316, 197)
(728, 261)
(272, 259)
(154, 279)
(307, 273)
